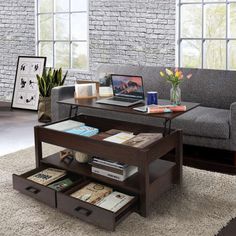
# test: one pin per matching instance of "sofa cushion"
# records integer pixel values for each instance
(204, 122)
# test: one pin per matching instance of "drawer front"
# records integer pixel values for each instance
(86, 212)
(37, 191)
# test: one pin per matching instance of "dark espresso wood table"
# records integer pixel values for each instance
(154, 176)
(75, 104)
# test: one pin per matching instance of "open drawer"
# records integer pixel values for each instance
(92, 213)
(36, 190)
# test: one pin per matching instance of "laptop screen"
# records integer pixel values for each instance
(127, 86)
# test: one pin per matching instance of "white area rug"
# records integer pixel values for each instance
(206, 204)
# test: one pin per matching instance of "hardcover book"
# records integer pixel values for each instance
(143, 139)
(111, 163)
(113, 175)
(47, 176)
(119, 138)
(92, 192)
(83, 130)
(65, 125)
(114, 201)
(60, 185)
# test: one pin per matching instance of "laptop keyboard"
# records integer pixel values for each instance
(124, 99)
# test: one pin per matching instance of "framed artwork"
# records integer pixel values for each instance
(26, 92)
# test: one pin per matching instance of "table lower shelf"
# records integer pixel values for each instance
(159, 169)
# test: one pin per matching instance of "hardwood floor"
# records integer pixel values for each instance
(16, 128)
(16, 132)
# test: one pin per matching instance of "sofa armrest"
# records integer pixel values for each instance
(232, 121)
(60, 111)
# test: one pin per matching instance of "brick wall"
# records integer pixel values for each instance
(137, 32)
(17, 37)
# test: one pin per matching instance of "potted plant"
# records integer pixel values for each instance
(46, 82)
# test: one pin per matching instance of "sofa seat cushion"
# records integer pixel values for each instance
(204, 122)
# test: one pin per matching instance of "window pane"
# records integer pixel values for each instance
(62, 5)
(232, 20)
(232, 55)
(214, 0)
(79, 5)
(191, 21)
(79, 26)
(46, 50)
(191, 51)
(215, 54)
(62, 55)
(45, 27)
(215, 21)
(79, 56)
(62, 27)
(45, 6)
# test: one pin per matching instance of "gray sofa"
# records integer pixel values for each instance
(212, 124)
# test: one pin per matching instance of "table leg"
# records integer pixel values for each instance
(38, 148)
(144, 186)
(179, 158)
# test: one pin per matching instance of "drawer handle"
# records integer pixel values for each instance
(83, 211)
(33, 190)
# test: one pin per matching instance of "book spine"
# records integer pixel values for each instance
(108, 174)
(112, 164)
(108, 168)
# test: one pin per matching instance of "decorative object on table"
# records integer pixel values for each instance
(86, 89)
(46, 82)
(25, 92)
(152, 98)
(66, 155)
(105, 89)
(81, 157)
(175, 78)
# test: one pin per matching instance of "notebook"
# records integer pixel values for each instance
(128, 90)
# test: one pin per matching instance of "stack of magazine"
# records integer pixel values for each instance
(102, 196)
(112, 169)
(51, 177)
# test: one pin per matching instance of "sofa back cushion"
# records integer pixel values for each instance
(210, 88)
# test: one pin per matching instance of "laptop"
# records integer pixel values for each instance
(128, 90)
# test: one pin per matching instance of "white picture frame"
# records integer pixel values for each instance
(26, 92)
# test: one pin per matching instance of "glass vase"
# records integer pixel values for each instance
(175, 95)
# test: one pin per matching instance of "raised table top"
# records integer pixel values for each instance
(91, 103)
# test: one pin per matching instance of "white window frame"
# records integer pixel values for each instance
(179, 39)
(70, 38)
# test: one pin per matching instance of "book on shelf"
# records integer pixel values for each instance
(120, 137)
(114, 201)
(92, 192)
(83, 130)
(106, 162)
(47, 176)
(143, 139)
(61, 185)
(121, 176)
(65, 125)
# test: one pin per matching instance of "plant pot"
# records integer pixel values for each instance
(44, 110)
